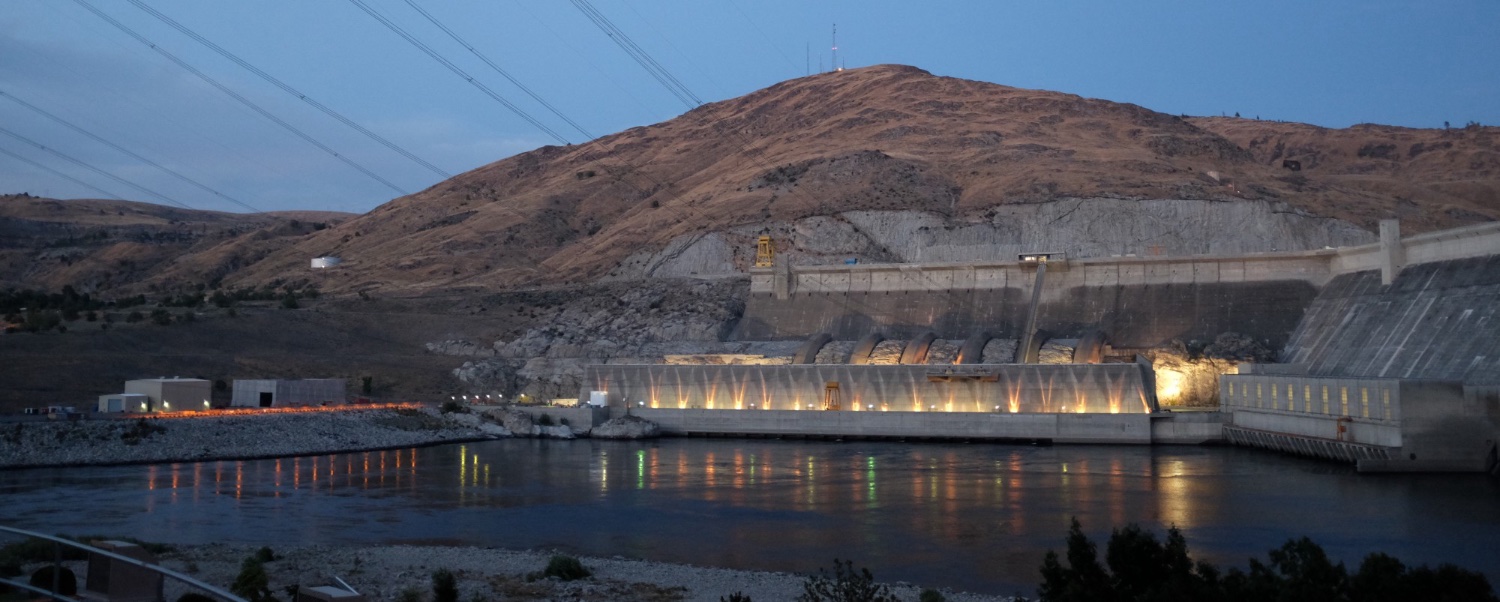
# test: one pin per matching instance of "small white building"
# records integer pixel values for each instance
(123, 402)
(319, 263)
(279, 393)
(171, 394)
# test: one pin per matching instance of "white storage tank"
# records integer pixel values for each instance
(329, 261)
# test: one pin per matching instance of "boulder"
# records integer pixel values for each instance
(626, 427)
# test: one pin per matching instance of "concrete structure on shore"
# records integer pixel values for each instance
(251, 393)
(171, 394)
(1009, 389)
(1401, 337)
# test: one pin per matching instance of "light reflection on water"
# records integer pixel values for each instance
(976, 517)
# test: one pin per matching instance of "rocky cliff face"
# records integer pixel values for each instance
(1094, 227)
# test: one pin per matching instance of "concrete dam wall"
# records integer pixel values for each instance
(1437, 320)
(1140, 302)
(1009, 389)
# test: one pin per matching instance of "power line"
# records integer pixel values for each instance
(455, 69)
(117, 147)
(93, 169)
(641, 57)
(497, 69)
(762, 33)
(232, 94)
(287, 88)
(61, 175)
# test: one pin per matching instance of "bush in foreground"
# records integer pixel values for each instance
(844, 585)
(1138, 567)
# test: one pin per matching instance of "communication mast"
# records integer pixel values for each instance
(835, 65)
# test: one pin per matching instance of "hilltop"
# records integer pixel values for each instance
(883, 163)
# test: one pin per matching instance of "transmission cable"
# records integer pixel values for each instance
(101, 172)
(122, 149)
(242, 100)
(460, 72)
(61, 175)
(497, 68)
(287, 88)
(667, 80)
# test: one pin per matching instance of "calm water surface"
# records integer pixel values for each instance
(976, 517)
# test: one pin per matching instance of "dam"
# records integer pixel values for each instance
(1055, 349)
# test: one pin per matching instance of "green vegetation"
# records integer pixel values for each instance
(264, 555)
(1138, 567)
(252, 583)
(453, 407)
(566, 568)
(67, 582)
(735, 597)
(844, 585)
(931, 595)
(444, 586)
(545, 420)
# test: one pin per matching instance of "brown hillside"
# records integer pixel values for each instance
(885, 137)
(126, 247)
(1430, 174)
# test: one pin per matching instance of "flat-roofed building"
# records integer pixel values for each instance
(172, 394)
(271, 393)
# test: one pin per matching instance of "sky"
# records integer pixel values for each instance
(1332, 63)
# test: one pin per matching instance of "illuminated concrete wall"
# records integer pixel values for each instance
(1403, 425)
(1096, 388)
(1139, 301)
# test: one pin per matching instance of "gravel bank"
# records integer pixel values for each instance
(100, 442)
(381, 573)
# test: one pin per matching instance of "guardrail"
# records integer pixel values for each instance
(59, 542)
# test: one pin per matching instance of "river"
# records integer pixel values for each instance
(974, 517)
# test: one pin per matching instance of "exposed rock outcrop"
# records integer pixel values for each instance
(626, 427)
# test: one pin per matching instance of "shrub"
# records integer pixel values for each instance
(410, 594)
(67, 582)
(566, 568)
(453, 407)
(252, 583)
(134, 317)
(931, 595)
(161, 317)
(265, 554)
(545, 420)
(735, 597)
(289, 301)
(444, 586)
(845, 585)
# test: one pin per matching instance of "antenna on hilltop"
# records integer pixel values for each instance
(835, 63)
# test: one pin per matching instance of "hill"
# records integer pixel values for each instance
(885, 163)
(884, 138)
(123, 246)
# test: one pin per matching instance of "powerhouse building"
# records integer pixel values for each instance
(272, 393)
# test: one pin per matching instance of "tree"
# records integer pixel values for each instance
(289, 301)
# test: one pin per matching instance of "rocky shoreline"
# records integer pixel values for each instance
(242, 437)
(114, 442)
(386, 572)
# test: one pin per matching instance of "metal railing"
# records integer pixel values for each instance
(59, 542)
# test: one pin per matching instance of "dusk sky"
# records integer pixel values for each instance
(1333, 63)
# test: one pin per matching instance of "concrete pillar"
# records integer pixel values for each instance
(1392, 254)
(781, 279)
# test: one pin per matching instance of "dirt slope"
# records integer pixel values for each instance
(124, 247)
(884, 137)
